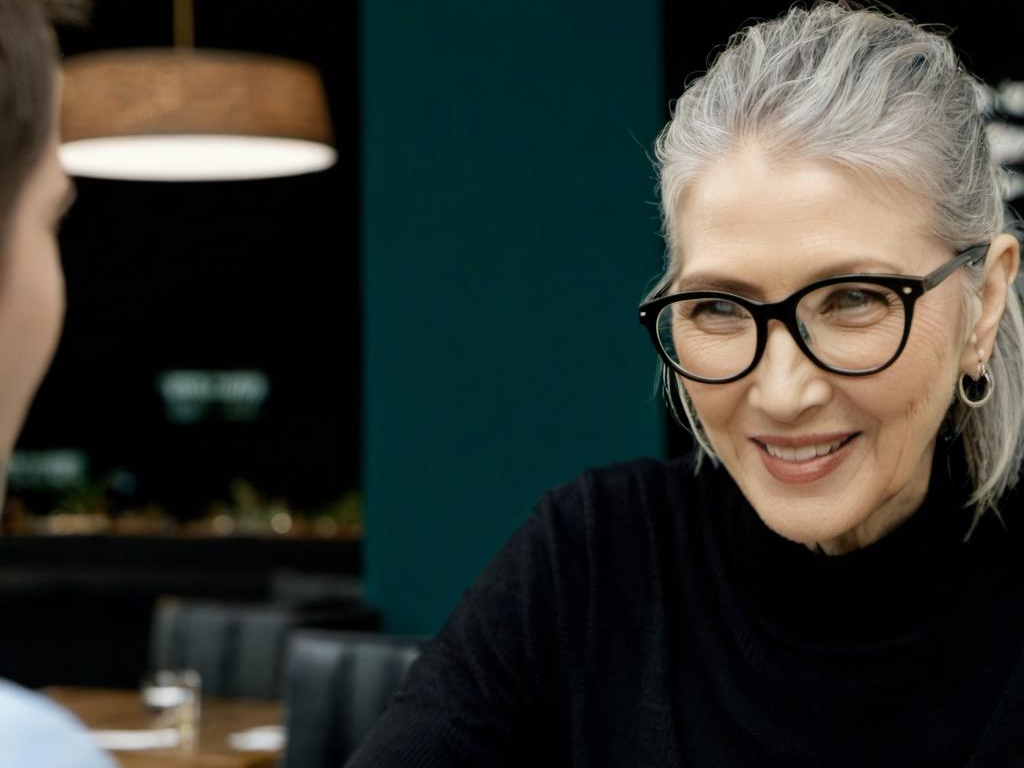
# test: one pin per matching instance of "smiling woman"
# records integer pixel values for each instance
(872, 436)
(835, 576)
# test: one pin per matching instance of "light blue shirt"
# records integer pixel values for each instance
(36, 732)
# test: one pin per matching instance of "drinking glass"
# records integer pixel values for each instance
(175, 696)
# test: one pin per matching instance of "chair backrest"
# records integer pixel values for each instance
(238, 648)
(338, 685)
(304, 588)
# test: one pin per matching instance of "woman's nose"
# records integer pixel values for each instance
(786, 383)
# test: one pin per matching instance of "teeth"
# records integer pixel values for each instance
(804, 452)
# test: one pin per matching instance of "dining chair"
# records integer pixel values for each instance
(239, 647)
(338, 684)
(290, 585)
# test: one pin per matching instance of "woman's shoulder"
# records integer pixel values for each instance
(624, 480)
(636, 500)
(36, 731)
(617, 523)
(624, 486)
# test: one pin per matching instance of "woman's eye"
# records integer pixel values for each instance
(853, 299)
(851, 305)
(715, 308)
(716, 316)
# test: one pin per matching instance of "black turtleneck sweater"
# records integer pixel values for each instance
(644, 616)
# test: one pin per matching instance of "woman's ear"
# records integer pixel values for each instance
(1001, 264)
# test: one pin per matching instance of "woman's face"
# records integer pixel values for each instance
(31, 289)
(776, 227)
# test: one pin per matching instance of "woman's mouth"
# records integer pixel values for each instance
(804, 459)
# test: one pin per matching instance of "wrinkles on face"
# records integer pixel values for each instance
(778, 227)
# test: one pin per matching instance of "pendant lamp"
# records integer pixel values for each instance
(191, 114)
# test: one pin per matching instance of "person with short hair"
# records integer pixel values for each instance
(35, 193)
(834, 576)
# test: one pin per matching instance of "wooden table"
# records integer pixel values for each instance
(115, 709)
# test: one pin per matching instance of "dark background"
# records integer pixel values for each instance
(264, 274)
(256, 275)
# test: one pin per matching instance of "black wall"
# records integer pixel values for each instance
(217, 276)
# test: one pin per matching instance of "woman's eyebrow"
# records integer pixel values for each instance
(712, 281)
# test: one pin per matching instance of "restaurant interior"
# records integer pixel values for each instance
(293, 414)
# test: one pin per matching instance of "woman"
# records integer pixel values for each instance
(834, 578)
(34, 195)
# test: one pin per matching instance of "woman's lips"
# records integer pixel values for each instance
(803, 459)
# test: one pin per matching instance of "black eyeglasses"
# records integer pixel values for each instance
(855, 325)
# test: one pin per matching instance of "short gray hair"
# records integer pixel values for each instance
(872, 92)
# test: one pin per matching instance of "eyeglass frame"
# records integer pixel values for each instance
(907, 287)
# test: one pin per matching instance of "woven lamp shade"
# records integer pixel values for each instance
(192, 114)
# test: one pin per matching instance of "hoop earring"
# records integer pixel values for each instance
(975, 392)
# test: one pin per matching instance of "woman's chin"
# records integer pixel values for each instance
(812, 527)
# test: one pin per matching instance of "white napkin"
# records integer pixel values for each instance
(146, 738)
(264, 738)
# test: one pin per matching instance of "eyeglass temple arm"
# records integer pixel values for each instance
(1015, 227)
(972, 255)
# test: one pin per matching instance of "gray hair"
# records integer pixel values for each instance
(873, 93)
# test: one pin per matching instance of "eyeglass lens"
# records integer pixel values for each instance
(848, 326)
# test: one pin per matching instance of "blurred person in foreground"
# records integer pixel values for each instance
(35, 194)
(835, 575)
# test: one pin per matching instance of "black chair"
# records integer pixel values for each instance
(238, 648)
(296, 587)
(338, 685)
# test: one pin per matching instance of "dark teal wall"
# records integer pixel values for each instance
(509, 231)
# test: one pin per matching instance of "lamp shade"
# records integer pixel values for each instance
(186, 114)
